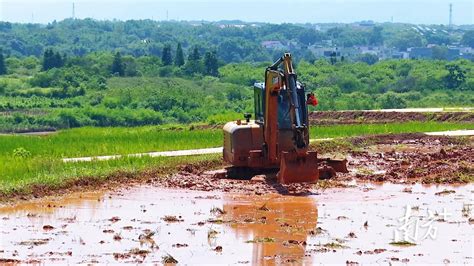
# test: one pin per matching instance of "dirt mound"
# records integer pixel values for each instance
(359, 117)
(406, 138)
(412, 164)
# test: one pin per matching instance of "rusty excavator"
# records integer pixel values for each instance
(278, 137)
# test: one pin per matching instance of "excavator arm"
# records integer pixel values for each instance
(297, 110)
(279, 135)
(296, 165)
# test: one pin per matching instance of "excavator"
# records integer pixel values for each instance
(278, 137)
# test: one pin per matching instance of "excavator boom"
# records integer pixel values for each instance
(296, 164)
(279, 135)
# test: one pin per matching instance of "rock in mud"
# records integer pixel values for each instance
(114, 219)
(48, 227)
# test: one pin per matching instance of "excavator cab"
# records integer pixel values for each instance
(278, 138)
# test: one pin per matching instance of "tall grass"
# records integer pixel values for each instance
(89, 141)
(43, 163)
(54, 173)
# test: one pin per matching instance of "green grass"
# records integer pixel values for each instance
(402, 243)
(336, 131)
(53, 173)
(89, 141)
(41, 162)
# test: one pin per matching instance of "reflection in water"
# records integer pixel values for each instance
(88, 200)
(85, 226)
(278, 226)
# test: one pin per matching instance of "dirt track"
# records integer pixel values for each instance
(362, 117)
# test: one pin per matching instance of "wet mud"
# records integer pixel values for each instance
(201, 216)
(350, 225)
(403, 159)
(411, 158)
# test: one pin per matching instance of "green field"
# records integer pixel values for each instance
(29, 160)
(336, 131)
(90, 141)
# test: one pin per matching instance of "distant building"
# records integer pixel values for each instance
(329, 53)
(466, 50)
(452, 53)
(368, 23)
(420, 53)
(327, 42)
(240, 26)
(467, 56)
(400, 55)
(273, 45)
(368, 50)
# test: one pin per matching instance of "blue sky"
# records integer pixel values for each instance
(276, 11)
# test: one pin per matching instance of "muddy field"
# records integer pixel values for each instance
(362, 117)
(402, 159)
(198, 215)
(153, 225)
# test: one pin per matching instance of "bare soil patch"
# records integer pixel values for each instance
(405, 158)
(363, 117)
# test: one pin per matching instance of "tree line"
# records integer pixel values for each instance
(208, 65)
(230, 43)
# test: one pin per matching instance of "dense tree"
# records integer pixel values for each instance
(375, 37)
(439, 38)
(194, 55)
(333, 58)
(327, 97)
(194, 63)
(3, 68)
(117, 65)
(406, 39)
(179, 60)
(130, 67)
(47, 59)
(368, 58)
(75, 95)
(211, 64)
(456, 76)
(310, 36)
(468, 38)
(391, 100)
(52, 60)
(166, 56)
(440, 53)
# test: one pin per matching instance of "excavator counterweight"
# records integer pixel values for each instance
(278, 137)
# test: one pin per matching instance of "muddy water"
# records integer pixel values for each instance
(130, 226)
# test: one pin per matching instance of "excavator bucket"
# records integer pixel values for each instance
(296, 168)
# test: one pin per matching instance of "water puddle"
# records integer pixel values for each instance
(149, 224)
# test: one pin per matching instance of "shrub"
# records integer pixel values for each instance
(391, 100)
(21, 153)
